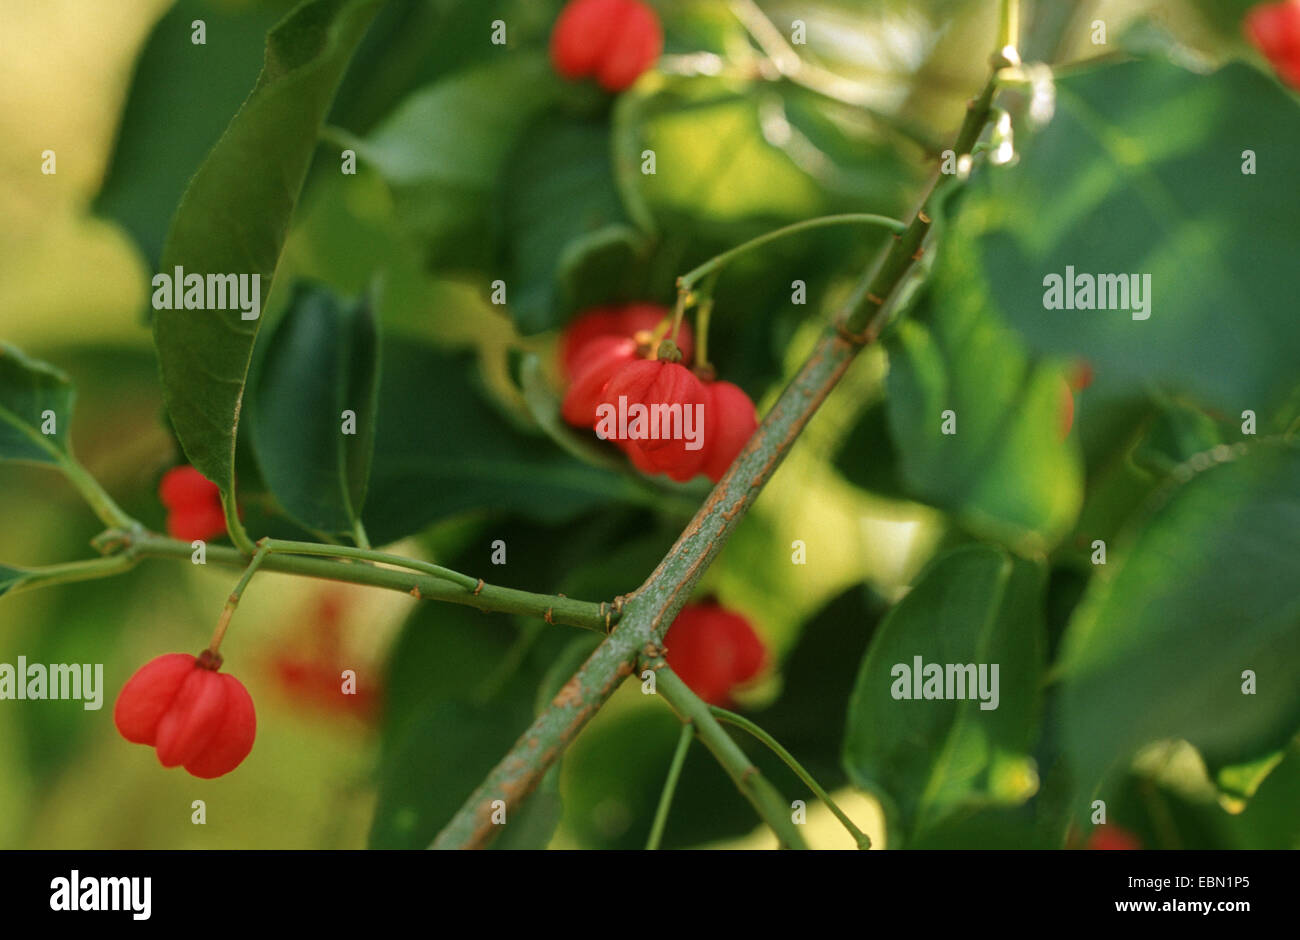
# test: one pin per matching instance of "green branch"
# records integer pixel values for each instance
(738, 721)
(423, 580)
(670, 786)
(651, 609)
(770, 805)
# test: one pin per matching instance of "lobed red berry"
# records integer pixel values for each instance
(652, 383)
(623, 322)
(193, 504)
(601, 358)
(713, 650)
(1274, 29)
(613, 40)
(192, 715)
(729, 421)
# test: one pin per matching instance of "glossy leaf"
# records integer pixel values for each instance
(1141, 173)
(1201, 587)
(321, 363)
(233, 219)
(1004, 470)
(145, 181)
(929, 758)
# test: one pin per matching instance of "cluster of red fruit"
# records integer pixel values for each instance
(612, 40)
(713, 650)
(193, 505)
(1274, 28)
(609, 354)
(192, 715)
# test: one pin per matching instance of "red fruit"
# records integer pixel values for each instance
(1112, 837)
(660, 433)
(614, 40)
(622, 322)
(191, 714)
(193, 503)
(729, 421)
(713, 650)
(1065, 411)
(316, 682)
(1274, 28)
(600, 359)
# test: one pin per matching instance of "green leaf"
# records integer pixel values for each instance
(822, 669)
(1140, 172)
(1201, 586)
(321, 360)
(561, 219)
(441, 449)
(443, 149)
(11, 578)
(233, 219)
(930, 758)
(146, 180)
(1241, 781)
(28, 389)
(442, 729)
(1005, 472)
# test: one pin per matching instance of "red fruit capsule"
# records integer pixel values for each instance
(713, 650)
(621, 322)
(600, 359)
(656, 407)
(194, 716)
(730, 419)
(1274, 29)
(193, 503)
(614, 40)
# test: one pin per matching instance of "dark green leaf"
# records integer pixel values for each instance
(28, 389)
(233, 219)
(1140, 173)
(441, 449)
(183, 94)
(443, 149)
(321, 360)
(929, 758)
(1005, 473)
(817, 677)
(444, 728)
(560, 217)
(1200, 588)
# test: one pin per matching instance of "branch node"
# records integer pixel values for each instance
(854, 339)
(547, 616)
(478, 588)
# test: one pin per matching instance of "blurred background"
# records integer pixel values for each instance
(130, 107)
